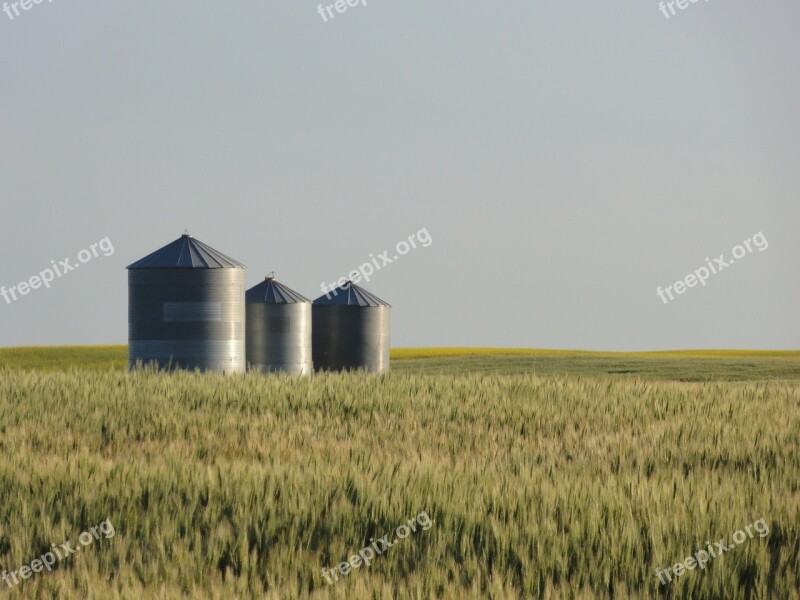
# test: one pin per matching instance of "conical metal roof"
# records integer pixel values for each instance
(270, 291)
(350, 294)
(186, 253)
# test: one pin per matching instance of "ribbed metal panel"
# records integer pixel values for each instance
(279, 337)
(187, 318)
(351, 337)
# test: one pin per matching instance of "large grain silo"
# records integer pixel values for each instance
(278, 329)
(186, 308)
(350, 330)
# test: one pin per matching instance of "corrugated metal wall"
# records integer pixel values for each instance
(187, 318)
(279, 337)
(351, 337)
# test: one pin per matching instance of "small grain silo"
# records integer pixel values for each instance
(351, 330)
(186, 309)
(278, 329)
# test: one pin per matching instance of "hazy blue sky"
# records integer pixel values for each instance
(566, 157)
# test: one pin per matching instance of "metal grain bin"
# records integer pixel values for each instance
(278, 329)
(186, 309)
(351, 330)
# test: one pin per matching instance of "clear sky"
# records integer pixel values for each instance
(566, 158)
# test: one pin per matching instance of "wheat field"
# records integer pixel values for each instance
(538, 486)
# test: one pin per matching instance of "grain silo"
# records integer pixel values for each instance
(350, 330)
(278, 329)
(186, 308)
